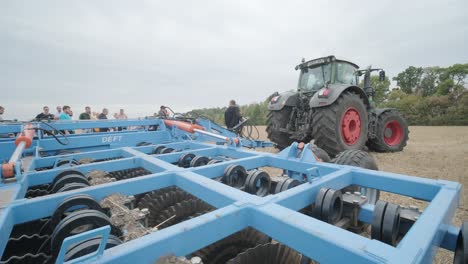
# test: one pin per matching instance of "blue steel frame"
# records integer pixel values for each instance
(105, 140)
(275, 215)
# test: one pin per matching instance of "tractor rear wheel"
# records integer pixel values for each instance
(391, 133)
(277, 122)
(342, 125)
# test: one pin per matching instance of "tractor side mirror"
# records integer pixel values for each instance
(382, 76)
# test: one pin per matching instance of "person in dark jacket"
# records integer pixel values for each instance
(103, 115)
(86, 115)
(232, 116)
(45, 115)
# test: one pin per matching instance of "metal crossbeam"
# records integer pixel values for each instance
(275, 215)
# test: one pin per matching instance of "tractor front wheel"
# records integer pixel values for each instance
(277, 123)
(342, 125)
(391, 133)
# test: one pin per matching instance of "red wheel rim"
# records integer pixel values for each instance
(351, 126)
(393, 133)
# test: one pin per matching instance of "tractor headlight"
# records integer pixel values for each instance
(323, 93)
(274, 99)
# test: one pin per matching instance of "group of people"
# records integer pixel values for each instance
(232, 115)
(65, 113)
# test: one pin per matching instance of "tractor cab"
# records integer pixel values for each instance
(318, 73)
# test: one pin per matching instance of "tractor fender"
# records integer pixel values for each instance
(334, 91)
(278, 101)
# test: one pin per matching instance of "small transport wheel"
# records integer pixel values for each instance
(362, 159)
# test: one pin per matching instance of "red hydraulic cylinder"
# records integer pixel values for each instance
(23, 141)
(183, 125)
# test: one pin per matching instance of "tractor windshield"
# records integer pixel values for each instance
(346, 73)
(312, 79)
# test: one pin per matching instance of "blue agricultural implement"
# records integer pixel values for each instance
(170, 191)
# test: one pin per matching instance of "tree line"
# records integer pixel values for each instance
(424, 95)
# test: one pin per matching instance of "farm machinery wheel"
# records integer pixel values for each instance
(362, 159)
(342, 125)
(391, 133)
(277, 122)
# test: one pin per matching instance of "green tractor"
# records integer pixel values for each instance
(330, 108)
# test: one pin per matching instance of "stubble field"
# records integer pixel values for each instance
(432, 152)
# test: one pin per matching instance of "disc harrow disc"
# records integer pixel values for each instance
(229, 247)
(185, 159)
(198, 161)
(182, 211)
(78, 222)
(258, 182)
(235, 176)
(267, 254)
(159, 201)
(90, 246)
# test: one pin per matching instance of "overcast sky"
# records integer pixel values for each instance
(192, 54)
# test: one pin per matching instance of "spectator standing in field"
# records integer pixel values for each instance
(59, 112)
(103, 115)
(122, 116)
(45, 115)
(86, 115)
(66, 115)
(2, 110)
(232, 116)
(163, 112)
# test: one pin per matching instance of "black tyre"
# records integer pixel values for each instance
(362, 159)
(320, 153)
(356, 158)
(342, 125)
(391, 133)
(277, 122)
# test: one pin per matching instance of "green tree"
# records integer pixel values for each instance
(410, 79)
(429, 81)
(453, 80)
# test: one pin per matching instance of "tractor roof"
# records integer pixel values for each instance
(323, 60)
